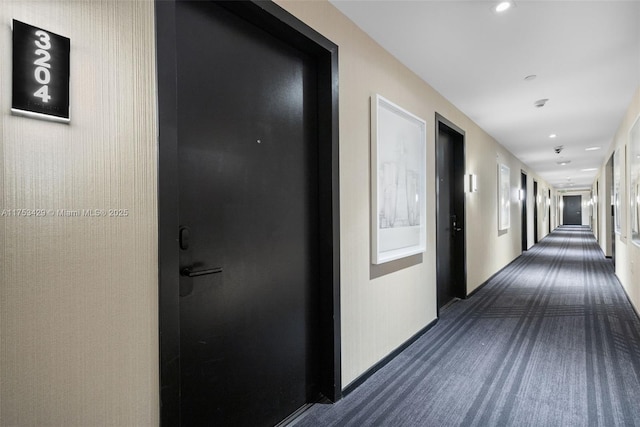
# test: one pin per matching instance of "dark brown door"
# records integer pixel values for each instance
(450, 216)
(549, 212)
(572, 211)
(612, 210)
(523, 212)
(535, 211)
(248, 204)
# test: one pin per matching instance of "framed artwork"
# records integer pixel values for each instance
(545, 204)
(617, 197)
(504, 197)
(634, 181)
(398, 181)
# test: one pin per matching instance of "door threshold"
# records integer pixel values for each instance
(295, 416)
(449, 304)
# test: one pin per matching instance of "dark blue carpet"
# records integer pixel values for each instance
(551, 340)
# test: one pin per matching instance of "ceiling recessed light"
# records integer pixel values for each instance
(553, 135)
(563, 162)
(502, 6)
(592, 148)
(589, 169)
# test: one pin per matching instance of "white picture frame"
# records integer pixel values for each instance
(398, 182)
(617, 196)
(504, 197)
(634, 182)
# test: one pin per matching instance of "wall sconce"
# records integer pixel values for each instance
(472, 183)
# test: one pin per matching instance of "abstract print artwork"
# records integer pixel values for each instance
(634, 181)
(504, 197)
(398, 180)
(617, 196)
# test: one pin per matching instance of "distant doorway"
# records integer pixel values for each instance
(572, 211)
(523, 206)
(450, 213)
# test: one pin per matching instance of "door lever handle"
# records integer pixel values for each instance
(190, 273)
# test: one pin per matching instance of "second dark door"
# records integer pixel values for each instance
(523, 213)
(535, 211)
(450, 217)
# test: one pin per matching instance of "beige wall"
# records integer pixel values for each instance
(380, 313)
(78, 295)
(627, 254)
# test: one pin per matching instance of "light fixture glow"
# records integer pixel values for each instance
(473, 183)
(589, 170)
(553, 135)
(592, 148)
(502, 6)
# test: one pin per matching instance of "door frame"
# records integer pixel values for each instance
(524, 225)
(535, 211)
(440, 119)
(275, 20)
(549, 208)
(612, 210)
(564, 208)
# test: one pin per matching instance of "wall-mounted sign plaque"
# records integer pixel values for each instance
(40, 73)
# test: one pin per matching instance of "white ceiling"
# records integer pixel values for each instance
(586, 55)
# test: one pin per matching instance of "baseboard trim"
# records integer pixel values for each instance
(473, 292)
(635, 310)
(372, 370)
(295, 416)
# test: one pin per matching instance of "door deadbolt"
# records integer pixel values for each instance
(185, 235)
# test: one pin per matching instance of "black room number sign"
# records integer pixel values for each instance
(40, 73)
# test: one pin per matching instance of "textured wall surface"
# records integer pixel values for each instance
(78, 294)
(380, 312)
(78, 314)
(627, 253)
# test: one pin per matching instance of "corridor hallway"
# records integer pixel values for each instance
(551, 340)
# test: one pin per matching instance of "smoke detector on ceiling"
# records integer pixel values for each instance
(540, 103)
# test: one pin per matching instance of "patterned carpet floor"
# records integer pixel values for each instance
(551, 340)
